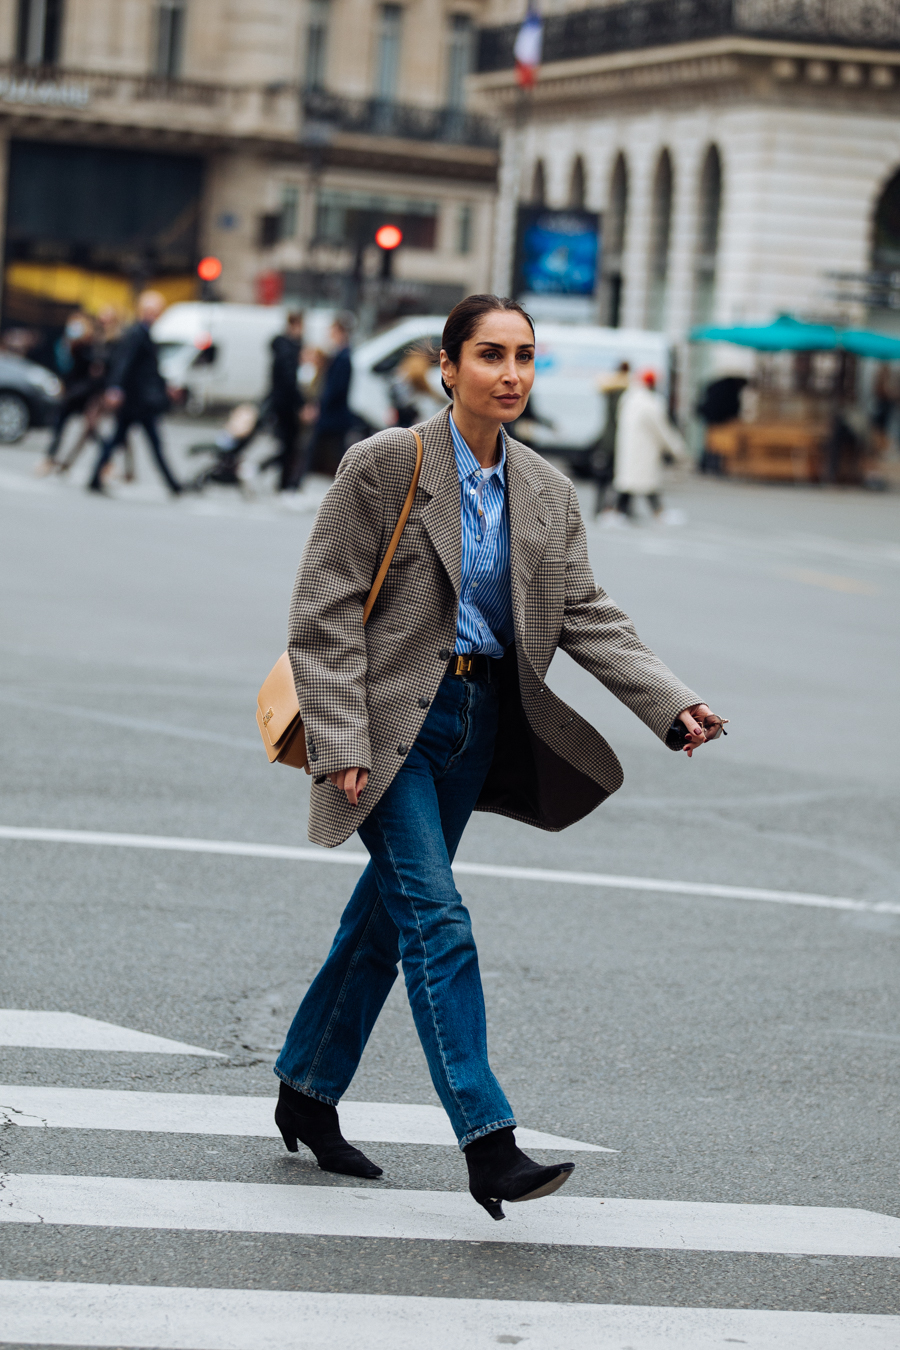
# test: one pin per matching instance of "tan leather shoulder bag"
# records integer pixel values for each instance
(277, 710)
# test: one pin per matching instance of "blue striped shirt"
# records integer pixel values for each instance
(485, 622)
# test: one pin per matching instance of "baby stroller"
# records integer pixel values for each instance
(243, 424)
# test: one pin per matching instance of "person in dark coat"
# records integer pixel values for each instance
(82, 374)
(136, 391)
(286, 401)
(334, 419)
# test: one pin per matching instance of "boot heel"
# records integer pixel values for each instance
(288, 1133)
(493, 1207)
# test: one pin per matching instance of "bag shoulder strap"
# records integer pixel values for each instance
(398, 530)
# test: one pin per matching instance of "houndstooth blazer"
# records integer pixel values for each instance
(364, 692)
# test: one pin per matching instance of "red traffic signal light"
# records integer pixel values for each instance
(209, 269)
(388, 237)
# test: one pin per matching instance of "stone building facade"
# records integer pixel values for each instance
(139, 135)
(741, 153)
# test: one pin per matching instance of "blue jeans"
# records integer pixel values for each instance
(406, 908)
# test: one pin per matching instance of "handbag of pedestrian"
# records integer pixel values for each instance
(277, 707)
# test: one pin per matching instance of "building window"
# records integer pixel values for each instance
(459, 59)
(464, 229)
(290, 207)
(40, 32)
(350, 219)
(707, 236)
(317, 43)
(169, 38)
(615, 221)
(577, 185)
(660, 231)
(388, 68)
(538, 184)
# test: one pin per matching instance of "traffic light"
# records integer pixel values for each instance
(388, 237)
(209, 268)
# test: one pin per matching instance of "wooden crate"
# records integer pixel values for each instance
(780, 451)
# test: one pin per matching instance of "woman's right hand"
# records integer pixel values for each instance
(351, 782)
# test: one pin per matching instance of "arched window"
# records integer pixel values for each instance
(660, 232)
(577, 185)
(710, 206)
(538, 184)
(615, 220)
(886, 231)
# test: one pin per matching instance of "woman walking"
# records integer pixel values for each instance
(436, 708)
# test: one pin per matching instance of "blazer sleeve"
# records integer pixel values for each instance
(326, 638)
(602, 638)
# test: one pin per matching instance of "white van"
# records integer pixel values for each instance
(567, 410)
(221, 353)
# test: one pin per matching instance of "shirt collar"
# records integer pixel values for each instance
(467, 465)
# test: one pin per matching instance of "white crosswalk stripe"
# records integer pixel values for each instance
(245, 1319)
(68, 1031)
(42, 1313)
(446, 1216)
(202, 1113)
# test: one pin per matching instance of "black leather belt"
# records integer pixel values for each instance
(473, 667)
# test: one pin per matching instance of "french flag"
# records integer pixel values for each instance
(527, 49)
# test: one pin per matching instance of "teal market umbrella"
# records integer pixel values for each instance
(863, 343)
(784, 335)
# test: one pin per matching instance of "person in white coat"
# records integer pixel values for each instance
(644, 435)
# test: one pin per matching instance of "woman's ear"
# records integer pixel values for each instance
(448, 372)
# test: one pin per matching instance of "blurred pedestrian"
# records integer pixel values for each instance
(107, 331)
(82, 374)
(411, 393)
(644, 436)
(286, 401)
(334, 419)
(136, 391)
(603, 456)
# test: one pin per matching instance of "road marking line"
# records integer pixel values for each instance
(444, 1216)
(135, 723)
(199, 1113)
(38, 1313)
(347, 858)
(68, 1031)
(847, 585)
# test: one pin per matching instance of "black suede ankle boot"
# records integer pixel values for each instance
(316, 1125)
(499, 1170)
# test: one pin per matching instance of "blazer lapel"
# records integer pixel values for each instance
(440, 482)
(529, 522)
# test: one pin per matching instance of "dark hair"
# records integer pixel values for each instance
(464, 318)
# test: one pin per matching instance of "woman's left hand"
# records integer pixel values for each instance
(695, 720)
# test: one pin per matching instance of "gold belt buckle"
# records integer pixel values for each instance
(463, 664)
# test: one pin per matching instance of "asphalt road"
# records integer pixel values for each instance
(732, 1050)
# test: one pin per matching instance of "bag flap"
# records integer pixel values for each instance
(277, 701)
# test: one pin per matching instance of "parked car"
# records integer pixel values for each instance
(566, 412)
(29, 397)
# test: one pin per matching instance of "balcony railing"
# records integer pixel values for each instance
(327, 113)
(657, 23)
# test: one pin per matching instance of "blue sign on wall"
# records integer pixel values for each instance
(558, 252)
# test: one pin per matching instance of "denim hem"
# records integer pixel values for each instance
(486, 1129)
(308, 1092)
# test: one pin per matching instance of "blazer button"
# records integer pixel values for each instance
(444, 653)
(313, 755)
(424, 702)
(402, 749)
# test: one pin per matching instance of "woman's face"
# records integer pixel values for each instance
(496, 367)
